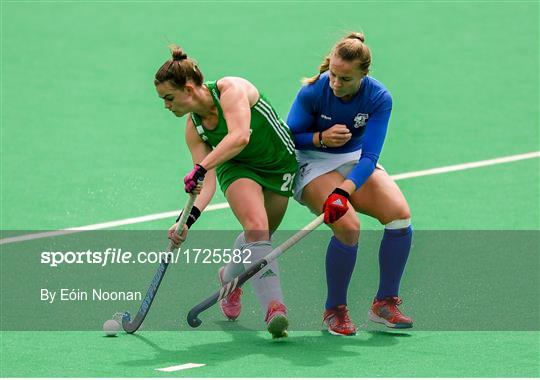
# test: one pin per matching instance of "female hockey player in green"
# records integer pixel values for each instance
(234, 133)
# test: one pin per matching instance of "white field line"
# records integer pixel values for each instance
(469, 165)
(219, 206)
(180, 367)
(101, 226)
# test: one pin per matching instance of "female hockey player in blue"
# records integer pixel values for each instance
(339, 120)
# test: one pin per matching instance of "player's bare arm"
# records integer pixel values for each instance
(199, 151)
(235, 102)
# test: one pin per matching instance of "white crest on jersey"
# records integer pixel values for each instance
(360, 120)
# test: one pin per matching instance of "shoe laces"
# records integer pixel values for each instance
(393, 303)
(394, 300)
(342, 314)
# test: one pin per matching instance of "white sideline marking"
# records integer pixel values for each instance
(180, 367)
(470, 165)
(219, 206)
(101, 226)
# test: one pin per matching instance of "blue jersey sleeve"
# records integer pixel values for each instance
(301, 117)
(373, 141)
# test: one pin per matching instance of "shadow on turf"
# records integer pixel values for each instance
(390, 333)
(310, 350)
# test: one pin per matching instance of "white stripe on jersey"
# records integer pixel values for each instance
(284, 136)
(284, 130)
(282, 125)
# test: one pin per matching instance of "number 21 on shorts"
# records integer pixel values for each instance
(288, 180)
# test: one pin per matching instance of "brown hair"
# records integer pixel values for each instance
(349, 48)
(179, 69)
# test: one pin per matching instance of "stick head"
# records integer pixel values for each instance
(194, 321)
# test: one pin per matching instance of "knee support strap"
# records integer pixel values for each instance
(398, 224)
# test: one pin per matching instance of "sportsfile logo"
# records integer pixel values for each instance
(119, 256)
(102, 258)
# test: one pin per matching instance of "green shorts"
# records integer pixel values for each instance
(279, 180)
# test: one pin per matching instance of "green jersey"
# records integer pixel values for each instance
(268, 158)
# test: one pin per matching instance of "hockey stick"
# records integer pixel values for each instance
(130, 326)
(229, 287)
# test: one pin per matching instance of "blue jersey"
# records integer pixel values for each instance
(366, 115)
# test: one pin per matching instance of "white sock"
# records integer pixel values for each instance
(267, 282)
(232, 269)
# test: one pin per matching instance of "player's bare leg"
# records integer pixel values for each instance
(248, 201)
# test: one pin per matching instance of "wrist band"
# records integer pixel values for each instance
(193, 216)
(320, 141)
(201, 169)
(342, 192)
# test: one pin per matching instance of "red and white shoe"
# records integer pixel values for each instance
(386, 311)
(230, 306)
(338, 322)
(276, 320)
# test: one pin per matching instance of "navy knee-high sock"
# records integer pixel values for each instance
(340, 260)
(393, 254)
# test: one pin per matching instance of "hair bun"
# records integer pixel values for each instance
(177, 53)
(357, 36)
